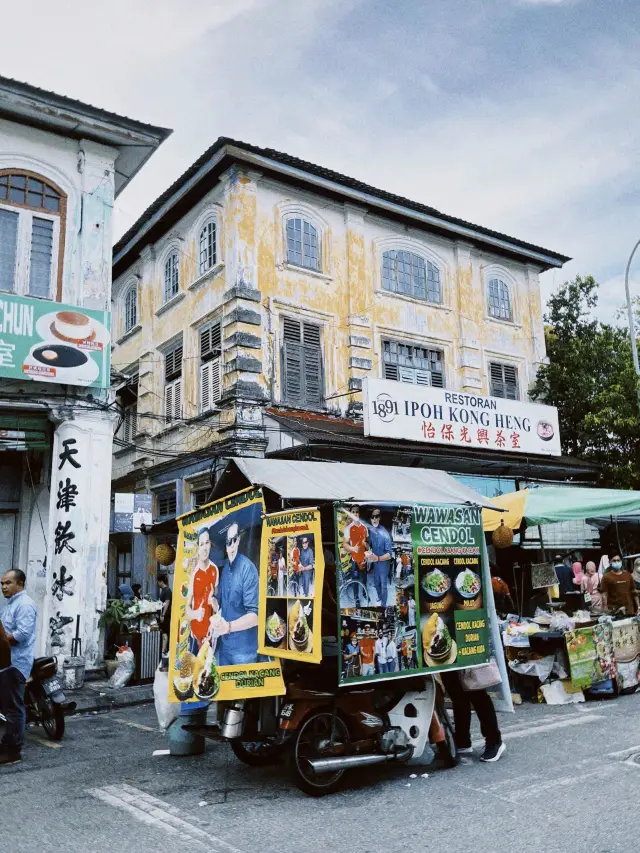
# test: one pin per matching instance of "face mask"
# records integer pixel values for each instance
(616, 565)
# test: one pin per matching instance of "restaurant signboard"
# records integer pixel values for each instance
(401, 410)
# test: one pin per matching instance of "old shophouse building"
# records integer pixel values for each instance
(256, 294)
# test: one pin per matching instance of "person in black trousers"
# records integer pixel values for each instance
(462, 701)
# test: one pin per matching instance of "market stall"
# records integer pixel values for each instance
(568, 646)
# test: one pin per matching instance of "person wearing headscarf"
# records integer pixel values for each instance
(590, 585)
(578, 574)
(636, 572)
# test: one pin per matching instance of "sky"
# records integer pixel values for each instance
(519, 115)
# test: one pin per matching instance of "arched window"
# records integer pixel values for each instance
(404, 272)
(131, 308)
(208, 255)
(303, 247)
(31, 225)
(171, 276)
(499, 298)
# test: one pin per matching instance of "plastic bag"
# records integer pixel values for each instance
(561, 622)
(166, 711)
(125, 670)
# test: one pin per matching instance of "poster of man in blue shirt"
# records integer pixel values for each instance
(379, 556)
(307, 564)
(237, 625)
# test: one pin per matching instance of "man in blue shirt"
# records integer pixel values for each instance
(237, 625)
(307, 562)
(19, 621)
(381, 550)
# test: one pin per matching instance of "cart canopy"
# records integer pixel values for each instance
(330, 481)
(550, 504)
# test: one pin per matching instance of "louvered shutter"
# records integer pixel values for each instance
(423, 377)
(216, 379)
(510, 382)
(406, 374)
(8, 248)
(391, 371)
(312, 366)
(503, 380)
(177, 399)
(205, 386)
(168, 403)
(292, 372)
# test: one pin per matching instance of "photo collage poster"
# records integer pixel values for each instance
(410, 589)
(291, 593)
(213, 651)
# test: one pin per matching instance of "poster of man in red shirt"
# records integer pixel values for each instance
(201, 597)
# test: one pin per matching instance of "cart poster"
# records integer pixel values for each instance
(411, 584)
(291, 578)
(591, 655)
(626, 645)
(214, 623)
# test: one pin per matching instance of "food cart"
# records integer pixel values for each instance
(405, 562)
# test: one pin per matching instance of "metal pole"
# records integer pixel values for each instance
(632, 328)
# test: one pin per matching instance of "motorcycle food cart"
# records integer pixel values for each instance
(315, 602)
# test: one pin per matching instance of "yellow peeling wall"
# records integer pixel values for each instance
(346, 299)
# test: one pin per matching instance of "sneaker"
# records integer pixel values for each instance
(465, 750)
(493, 752)
(10, 757)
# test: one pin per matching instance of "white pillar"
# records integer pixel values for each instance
(77, 541)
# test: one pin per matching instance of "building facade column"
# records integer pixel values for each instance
(78, 535)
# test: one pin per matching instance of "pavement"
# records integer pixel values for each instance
(569, 781)
(96, 695)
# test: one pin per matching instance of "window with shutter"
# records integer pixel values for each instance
(210, 366)
(32, 215)
(503, 381)
(302, 373)
(171, 276)
(207, 247)
(499, 298)
(199, 497)
(417, 365)
(303, 247)
(173, 384)
(167, 503)
(130, 423)
(131, 308)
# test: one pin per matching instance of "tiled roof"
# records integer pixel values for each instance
(329, 175)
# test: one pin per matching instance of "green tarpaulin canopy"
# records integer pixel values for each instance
(550, 504)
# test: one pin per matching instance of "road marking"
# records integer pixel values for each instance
(162, 815)
(133, 725)
(547, 727)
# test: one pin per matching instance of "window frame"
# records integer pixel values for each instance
(414, 254)
(172, 253)
(132, 288)
(502, 365)
(211, 368)
(429, 349)
(304, 219)
(173, 382)
(26, 214)
(171, 492)
(505, 281)
(207, 223)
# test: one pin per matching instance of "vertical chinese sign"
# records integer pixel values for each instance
(292, 573)
(410, 586)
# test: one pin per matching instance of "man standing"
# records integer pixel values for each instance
(201, 601)
(367, 651)
(354, 543)
(411, 610)
(19, 621)
(237, 624)
(165, 616)
(618, 588)
(565, 576)
(351, 657)
(379, 554)
(307, 562)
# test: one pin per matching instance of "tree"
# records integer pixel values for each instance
(591, 379)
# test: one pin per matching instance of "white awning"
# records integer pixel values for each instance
(331, 481)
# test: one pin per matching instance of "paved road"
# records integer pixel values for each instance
(568, 782)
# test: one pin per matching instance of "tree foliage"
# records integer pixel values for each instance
(591, 379)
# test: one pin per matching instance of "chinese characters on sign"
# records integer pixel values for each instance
(68, 498)
(435, 415)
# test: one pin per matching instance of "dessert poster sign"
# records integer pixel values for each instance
(214, 653)
(49, 342)
(411, 586)
(292, 572)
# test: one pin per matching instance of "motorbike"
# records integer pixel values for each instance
(327, 731)
(44, 698)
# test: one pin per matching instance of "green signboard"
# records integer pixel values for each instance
(49, 342)
(411, 590)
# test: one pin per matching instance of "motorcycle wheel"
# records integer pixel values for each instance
(259, 753)
(52, 718)
(447, 750)
(315, 730)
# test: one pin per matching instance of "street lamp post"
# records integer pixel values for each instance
(632, 326)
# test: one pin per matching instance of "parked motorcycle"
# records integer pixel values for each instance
(328, 731)
(44, 698)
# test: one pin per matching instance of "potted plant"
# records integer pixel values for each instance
(112, 619)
